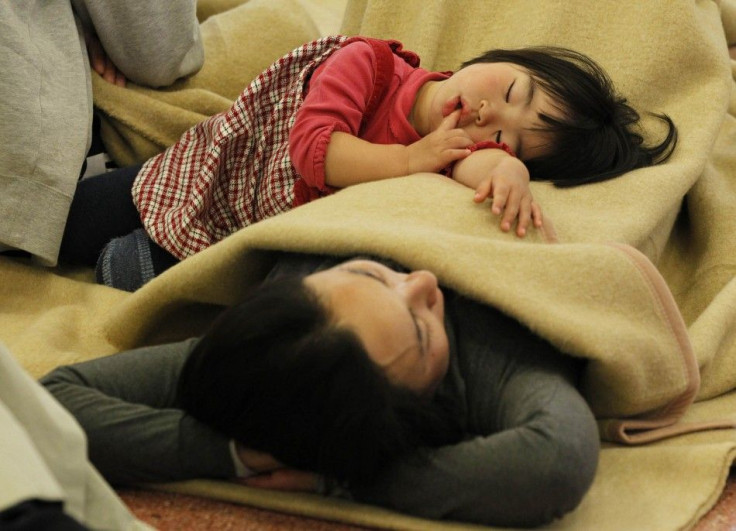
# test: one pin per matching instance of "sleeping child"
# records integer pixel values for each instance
(342, 111)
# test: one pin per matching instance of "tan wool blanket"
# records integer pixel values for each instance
(636, 274)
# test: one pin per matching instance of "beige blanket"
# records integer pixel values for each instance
(640, 281)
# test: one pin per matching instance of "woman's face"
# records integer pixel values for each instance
(399, 318)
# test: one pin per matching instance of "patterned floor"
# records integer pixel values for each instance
(174, 512)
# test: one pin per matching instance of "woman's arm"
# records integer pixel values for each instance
(126, 404)
(534, 448)
(527, 475)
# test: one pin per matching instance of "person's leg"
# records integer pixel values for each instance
(132, 260)
(102, 209)
(97, 161)
(104, 230)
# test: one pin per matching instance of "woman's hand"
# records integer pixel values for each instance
(505, 179)
(271, 474)
(285, 479)
(440, 148)
(100, 62)
(256, 461)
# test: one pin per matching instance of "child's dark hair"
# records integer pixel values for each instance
(595, 139)
(276, 374)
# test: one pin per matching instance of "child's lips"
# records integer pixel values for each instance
(452, 105)
(456, 104)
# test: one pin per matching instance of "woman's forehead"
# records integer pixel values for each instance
(369, 308)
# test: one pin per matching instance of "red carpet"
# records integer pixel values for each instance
(177, 512)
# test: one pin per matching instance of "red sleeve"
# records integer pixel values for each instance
(490, 144)
(337, 99)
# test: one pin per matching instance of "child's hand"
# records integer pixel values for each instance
(440, 148)
(497, 175)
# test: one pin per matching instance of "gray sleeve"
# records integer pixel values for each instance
(126, 403)
(527, 475)
(532, 449)
(152, 43)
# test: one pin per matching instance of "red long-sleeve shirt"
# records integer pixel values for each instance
(338, 96)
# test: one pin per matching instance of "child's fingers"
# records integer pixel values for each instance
(500, 199)
(525, 215)
(450, 121)
(448, 156)
(537, 217)
(458, 138)
(482, 192)
(457, 154)
(456, 141)
(510, 212)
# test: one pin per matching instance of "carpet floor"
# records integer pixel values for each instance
(178, 512)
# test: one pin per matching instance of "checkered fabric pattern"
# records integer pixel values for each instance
(234, 168)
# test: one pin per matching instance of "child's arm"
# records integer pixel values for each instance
(496, 174)
(351, 160)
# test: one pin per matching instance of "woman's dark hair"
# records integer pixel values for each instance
(276, 374)
(596, 137)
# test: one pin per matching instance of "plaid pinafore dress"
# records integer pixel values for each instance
(234, 168)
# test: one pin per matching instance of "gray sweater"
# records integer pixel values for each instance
(529, 455)
(46, 98)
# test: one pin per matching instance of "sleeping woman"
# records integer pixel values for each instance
(359, 372)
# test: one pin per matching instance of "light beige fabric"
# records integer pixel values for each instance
(43, 452)
(640, 286)
(138, 122)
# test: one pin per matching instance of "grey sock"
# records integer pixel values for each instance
(125, 263)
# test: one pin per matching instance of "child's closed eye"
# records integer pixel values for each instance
(508, 92)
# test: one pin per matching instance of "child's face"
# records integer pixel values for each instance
(496, 101)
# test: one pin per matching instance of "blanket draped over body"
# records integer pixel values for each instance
(637, 276)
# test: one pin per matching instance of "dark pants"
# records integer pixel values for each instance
(38, 515)
(103, 209)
